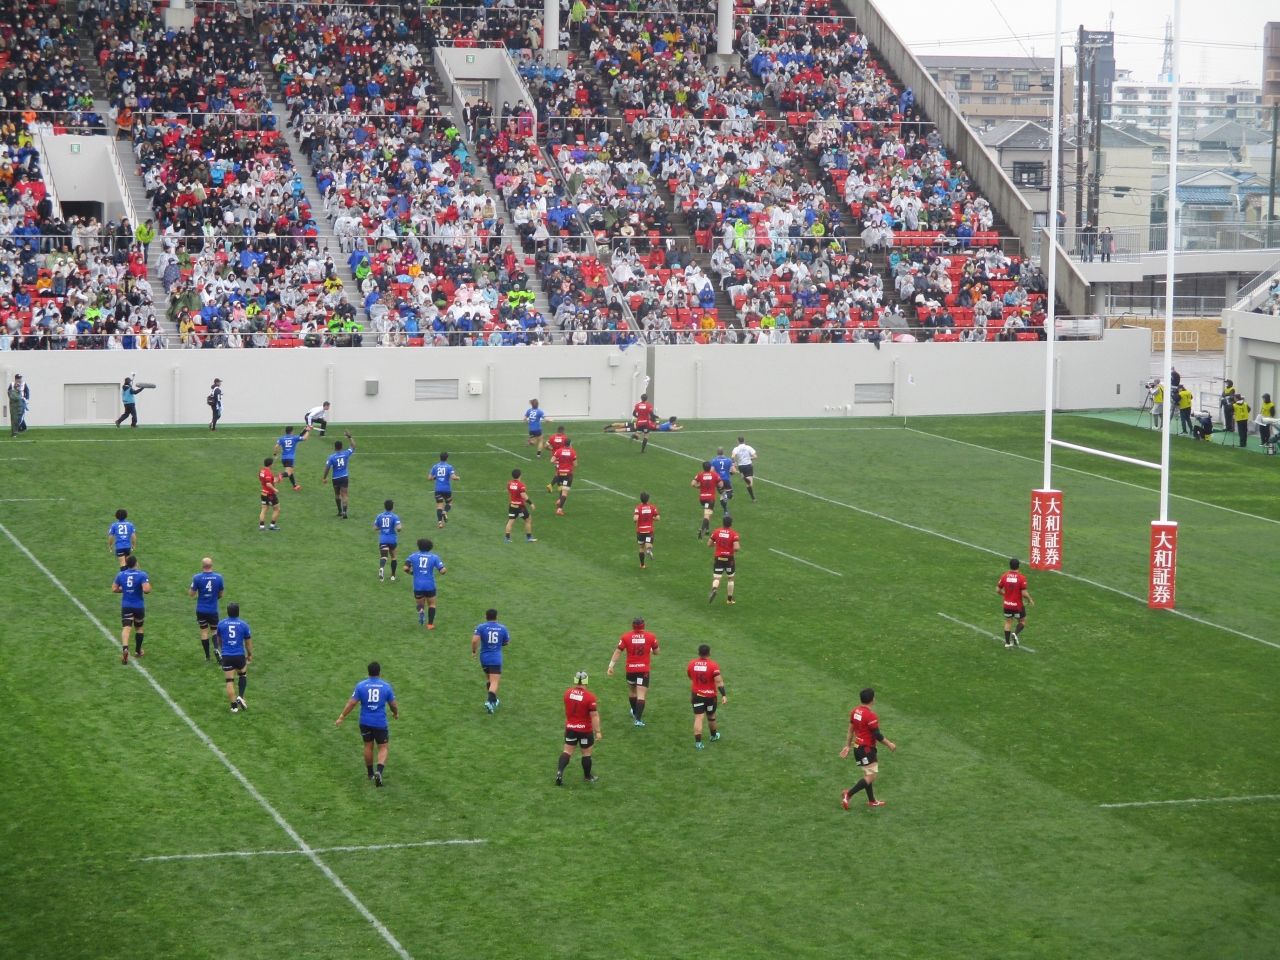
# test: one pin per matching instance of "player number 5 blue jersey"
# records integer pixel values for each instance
(233, 632)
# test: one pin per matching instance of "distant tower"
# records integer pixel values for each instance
(1166, 68)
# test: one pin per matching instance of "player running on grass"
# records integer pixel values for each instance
(423, 565)
(122, 537)
(704, 675)
(555, 443)
(487, 642)
(639, 646)
(724, 468)
(707, 483)
(519, 505)
(566, 462)
(287, 450)
(131, 583)
(337, 462)
(374, 696)
(270, 496)
(443, 474)
(645, 514)
(864, 734)
(724, 546)
(1013, 587)
(534, 417)
(644, 417)
(388, 525)
(207, 587)
(236, 644)
(743, 457)
(581, 726)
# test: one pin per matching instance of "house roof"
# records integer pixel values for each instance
(1212, 196)
(1118, 137)
(1016, 134)
(1229, 132)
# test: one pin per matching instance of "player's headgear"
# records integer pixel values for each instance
(1013, 563)
(580, 678)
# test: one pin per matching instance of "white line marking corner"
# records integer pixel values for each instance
(985, 633)
(805, 562)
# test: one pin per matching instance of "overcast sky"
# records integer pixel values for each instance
(1222, 40)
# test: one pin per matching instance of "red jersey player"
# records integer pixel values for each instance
(724, 547)
(269, 496)
(644, 417)
(581, 726)
(707, 482)
(554, 443)
(519, 505)
(704, 675)
(1013, 587)
(639, 646)
(645, 514)
(566, 459)
(864, 734)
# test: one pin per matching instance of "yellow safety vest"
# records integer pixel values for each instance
(1241, 411)
(1184, 400)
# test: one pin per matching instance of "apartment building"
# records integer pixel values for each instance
(1148, 105)
(988, 90)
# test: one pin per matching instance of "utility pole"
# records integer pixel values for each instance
(1271, 196)
(1095, 131)
(1080, 55)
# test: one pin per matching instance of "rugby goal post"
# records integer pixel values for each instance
(1046, 539)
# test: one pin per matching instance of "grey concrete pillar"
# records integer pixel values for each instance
(724, 27)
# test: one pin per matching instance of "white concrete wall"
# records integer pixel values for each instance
(487, 64)
(811, 380)
(86, 175)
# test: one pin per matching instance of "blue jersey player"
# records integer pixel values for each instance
(207, 587)
(374, 696)
(122, 537)
(724, 469)
(424, 565)
(287, 449)
(534, 417)
(132, 584)
(388, 525)
(444, 475)
(236, 643)
(488, 640)
(337, 462)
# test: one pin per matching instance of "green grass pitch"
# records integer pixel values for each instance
(993, 843)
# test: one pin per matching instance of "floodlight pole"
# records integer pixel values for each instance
(1050, 249)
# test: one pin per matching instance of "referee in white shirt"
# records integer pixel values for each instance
(318, 417)
(743, 455)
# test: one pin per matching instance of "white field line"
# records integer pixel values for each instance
(601, 486)
(988, 550)
(506, 451)
(9, 459)
(985, 633)
(284, 825)
(1096, 476)
(805, 562)
(424, 453)
(284, 853)
(33, 500)
(1165, 803)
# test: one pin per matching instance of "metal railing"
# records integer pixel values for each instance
(1258, 290)
(50, 191)
(122, 183)
(1153, 305)
(1131, 243)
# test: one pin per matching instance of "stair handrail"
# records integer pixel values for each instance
(122, 183)
(46, 172)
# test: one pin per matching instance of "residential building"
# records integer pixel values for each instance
(1148, 106)
(1271, 64)
(1023, 151)
(987, 90)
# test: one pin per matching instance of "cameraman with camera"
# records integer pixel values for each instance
(129, 395)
